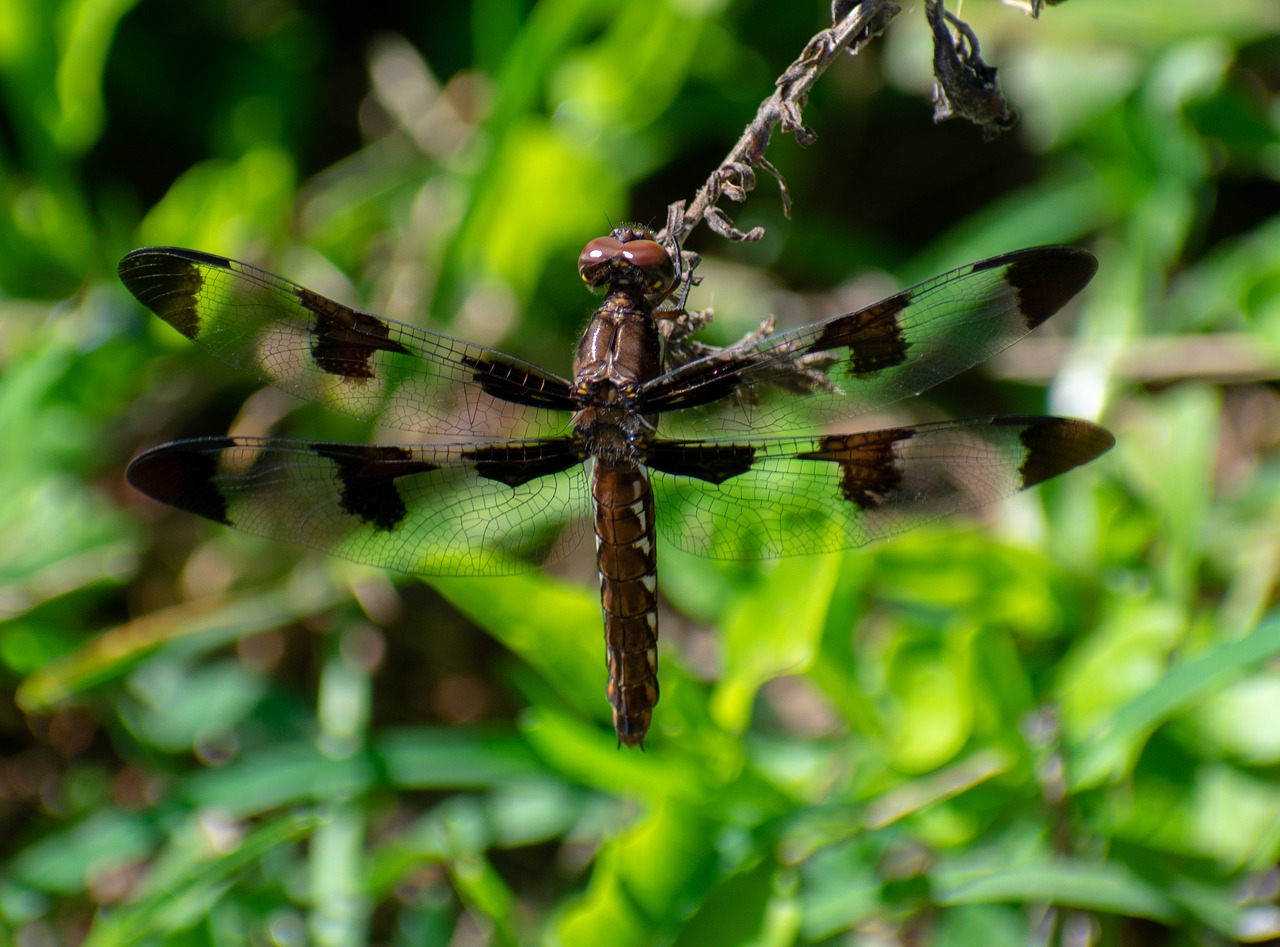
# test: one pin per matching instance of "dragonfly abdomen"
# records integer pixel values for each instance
(627, 558)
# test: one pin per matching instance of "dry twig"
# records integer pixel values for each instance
(966, 86)
(856, 23)
(860, 24)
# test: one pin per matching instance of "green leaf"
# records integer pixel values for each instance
(1109, 751)
(647, 881)
(773, 629)
(64, 861)
(182, 900)
(552, 626)
(1096, 887)
(196, 627)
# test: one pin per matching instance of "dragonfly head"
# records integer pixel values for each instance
(628, 260)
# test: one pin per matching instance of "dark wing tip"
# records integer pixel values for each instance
(154, 256)
(1056, 445)
(183, 476)
(168, 281)
(1046, 278)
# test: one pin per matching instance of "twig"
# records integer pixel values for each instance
(856, 23)
(966, 86)
(736, 174)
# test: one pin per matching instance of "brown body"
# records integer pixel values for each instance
(621, 350)
(628, 593)
(477, 497)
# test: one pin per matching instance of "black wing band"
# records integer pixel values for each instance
(351, 361)
(774, 497)
(466, 509)
(863, 360)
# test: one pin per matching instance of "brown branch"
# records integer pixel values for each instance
(966, 86)
(857, 23)
(736, 174)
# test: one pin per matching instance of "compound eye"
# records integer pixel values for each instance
(654, 262)
(593, 261)
(643, 253)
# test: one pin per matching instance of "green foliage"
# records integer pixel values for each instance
(1057, 725)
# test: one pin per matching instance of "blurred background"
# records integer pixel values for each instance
(1057, 721)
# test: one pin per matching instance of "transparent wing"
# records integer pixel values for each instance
(460, 509)
(343, 358)
(760, 499)
(863, 360)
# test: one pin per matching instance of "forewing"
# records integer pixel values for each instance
(760, 499)
(866, 359)
(349, 360)
(464, 509)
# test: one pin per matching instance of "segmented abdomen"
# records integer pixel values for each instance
(628, 564)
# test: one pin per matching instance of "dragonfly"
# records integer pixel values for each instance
(501, 466)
